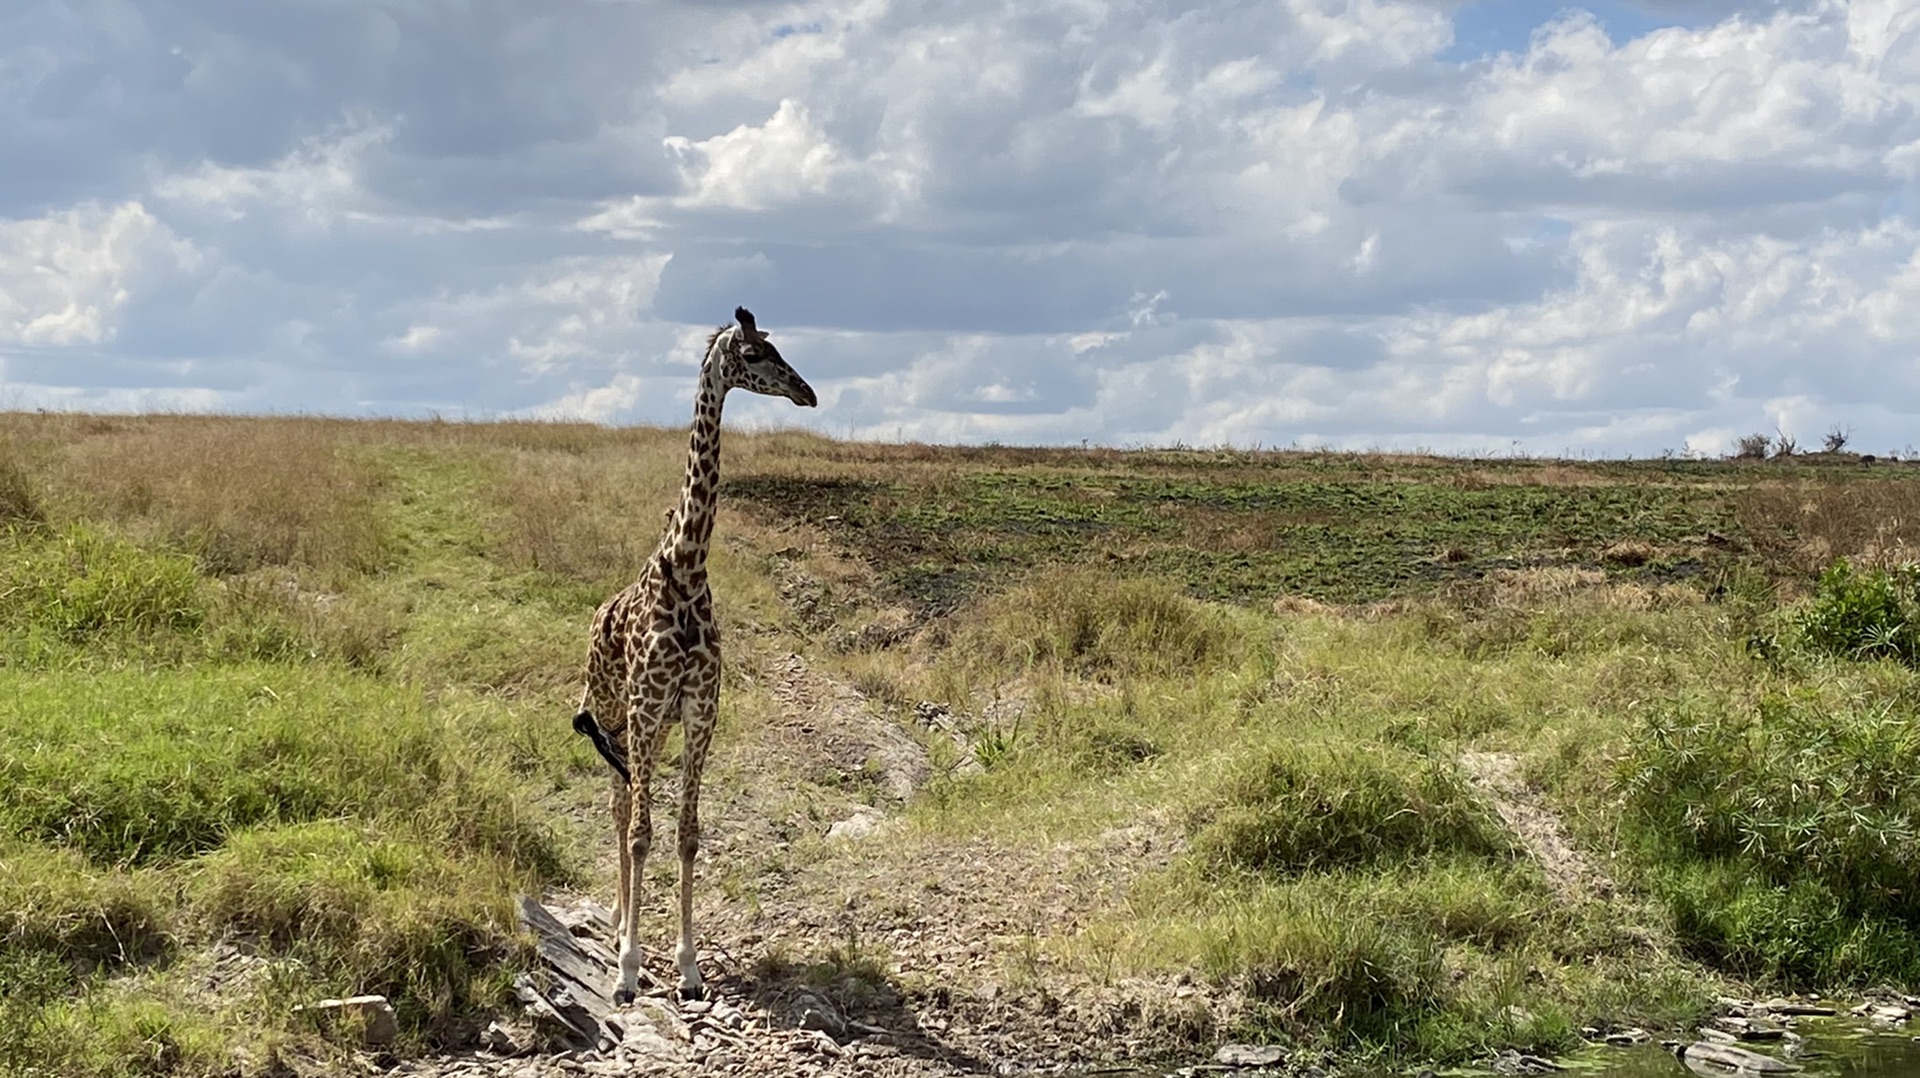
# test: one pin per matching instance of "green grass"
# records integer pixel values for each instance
(1247, 527)
(299, 688)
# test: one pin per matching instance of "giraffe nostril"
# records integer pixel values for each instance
(804, 396)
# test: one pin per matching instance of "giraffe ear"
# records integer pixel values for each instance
(745, 318)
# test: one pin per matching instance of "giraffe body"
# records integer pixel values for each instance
(654, 653)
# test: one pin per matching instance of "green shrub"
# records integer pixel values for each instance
(1863, 613)
(1799, 933)
(1790, 830)
(142, 767)
(1306, 807)
(1362, 958)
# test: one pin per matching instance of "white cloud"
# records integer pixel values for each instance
(1047, 220)
(318, 180)
(65, 277)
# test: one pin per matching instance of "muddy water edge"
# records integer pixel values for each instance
(1839, 1047)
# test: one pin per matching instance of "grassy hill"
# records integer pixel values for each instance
(1177, 745)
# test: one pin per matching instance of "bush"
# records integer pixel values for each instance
(1863, 613)
(53, 903)
(1791, 833)
(134, 767)
(1301, 808)
(1752, 447)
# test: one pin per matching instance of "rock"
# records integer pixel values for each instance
(1718, 1059)
(1511, 1062)
(821, 1043)
(1718, 1036)
(1791, 1009)
(1748, 1029)
(863, 823)
(1249, 1055)
(499, 1039)
(1627, 1038)
(728, 1015)
(374, 1014)
(645, 1043)
(818, 1016)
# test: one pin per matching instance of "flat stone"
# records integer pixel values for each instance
(1717, 1059)
(862, 824)
(379, 1025)
(1795, 1009)
(1627, 1038)
(1249, 1055)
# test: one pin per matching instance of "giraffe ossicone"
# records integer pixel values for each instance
(654, 653)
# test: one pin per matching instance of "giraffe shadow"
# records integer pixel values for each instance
(851, 998)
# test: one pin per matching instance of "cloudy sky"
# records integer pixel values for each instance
(1620, 226)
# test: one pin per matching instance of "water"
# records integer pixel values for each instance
(1834, 1048)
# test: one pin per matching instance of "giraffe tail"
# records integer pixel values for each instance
(584, 725)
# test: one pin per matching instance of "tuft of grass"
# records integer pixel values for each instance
(1798, 528)
(1405, 962)
(20, 497)
(238, 496)
(83, 584)
(137, 767)
(368, 911)
(1097, 624)
(1311, 807)
(55, 904)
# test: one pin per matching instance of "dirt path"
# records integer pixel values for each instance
(838, 939)
(1570, 872)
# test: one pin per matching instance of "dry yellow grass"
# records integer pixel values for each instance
(1802, 526)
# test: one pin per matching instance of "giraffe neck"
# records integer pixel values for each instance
(692, 531)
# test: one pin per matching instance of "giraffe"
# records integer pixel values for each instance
(654, 653)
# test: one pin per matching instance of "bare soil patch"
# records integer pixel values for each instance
(1571, 873)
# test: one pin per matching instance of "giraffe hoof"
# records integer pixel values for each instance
(691, 992)
(622, 996)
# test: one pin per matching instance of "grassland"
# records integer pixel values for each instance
(283, 703)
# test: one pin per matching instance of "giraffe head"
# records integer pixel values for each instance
(748, 360)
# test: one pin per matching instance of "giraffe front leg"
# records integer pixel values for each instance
(698, 720)
(646, 736)
(633, 860)
(687, 954)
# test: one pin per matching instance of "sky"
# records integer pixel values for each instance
(1611, 228)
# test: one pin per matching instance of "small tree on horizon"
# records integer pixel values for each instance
(1752, 447)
